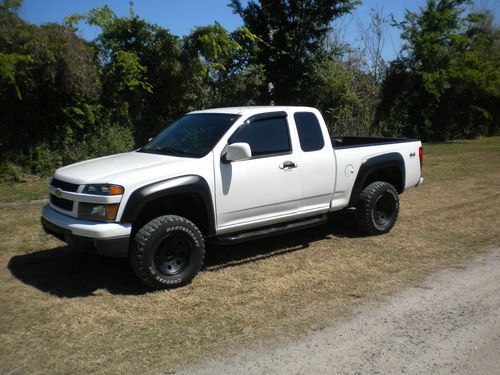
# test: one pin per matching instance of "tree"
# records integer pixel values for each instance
(373, 38)
(223, 60)
(292, 34)
(142, 73)
(479, 71)
(345, 95)
(443, 85)
(48, 70)
(49, 95)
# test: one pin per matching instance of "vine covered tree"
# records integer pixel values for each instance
(66, 99)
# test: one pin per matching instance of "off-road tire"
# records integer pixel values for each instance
(377, 209)
(167, 252)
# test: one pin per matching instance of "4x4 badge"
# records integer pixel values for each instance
(412, 155)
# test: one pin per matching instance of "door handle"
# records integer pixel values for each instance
(288, 165)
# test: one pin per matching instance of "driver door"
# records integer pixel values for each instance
(264, 189)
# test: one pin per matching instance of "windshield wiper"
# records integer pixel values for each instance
(167, 151)
(170, 150)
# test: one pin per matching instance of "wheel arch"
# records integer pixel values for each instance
(388, 167)
(187, 196)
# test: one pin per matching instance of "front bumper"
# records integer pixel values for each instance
(110, 239)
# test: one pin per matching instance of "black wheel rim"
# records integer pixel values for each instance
(173, 253)
(385, 206)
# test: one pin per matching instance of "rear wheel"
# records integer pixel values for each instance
(168, 252)
(378, 208)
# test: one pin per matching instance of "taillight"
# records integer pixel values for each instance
(421, 156)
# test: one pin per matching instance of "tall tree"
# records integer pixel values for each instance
(373, 39)
(440, 85)
(293, 33)
(225, 62)
(143, 79)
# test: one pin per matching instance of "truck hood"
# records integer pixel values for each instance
(112, 169)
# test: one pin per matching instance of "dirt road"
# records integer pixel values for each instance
(449, 324)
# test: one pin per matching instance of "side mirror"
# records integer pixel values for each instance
(238, 151)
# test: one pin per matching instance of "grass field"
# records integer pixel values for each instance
(64, 312)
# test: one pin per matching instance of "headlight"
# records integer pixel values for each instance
(97, 211)
(103, 189)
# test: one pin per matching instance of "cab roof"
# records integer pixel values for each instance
(250, 110)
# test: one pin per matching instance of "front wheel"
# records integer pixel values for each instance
(378, 208)
(168, 252)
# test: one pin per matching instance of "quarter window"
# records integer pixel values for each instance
(266, 137)
(310, 135)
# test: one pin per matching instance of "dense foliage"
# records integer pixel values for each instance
(446, 82)
(64, 99)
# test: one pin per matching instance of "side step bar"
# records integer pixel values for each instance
(234, 238)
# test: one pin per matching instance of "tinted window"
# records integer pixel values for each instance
(310, 135)
(265, 137)
(192, 136)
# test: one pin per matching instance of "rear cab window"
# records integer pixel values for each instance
(309, 131)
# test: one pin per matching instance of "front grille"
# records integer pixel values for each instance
(65, 204)
(66, 186)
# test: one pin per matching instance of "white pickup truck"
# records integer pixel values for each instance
(226, 175)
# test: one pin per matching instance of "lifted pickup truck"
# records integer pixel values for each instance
(226, 175)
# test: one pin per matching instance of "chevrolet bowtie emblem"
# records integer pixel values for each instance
(58, 193)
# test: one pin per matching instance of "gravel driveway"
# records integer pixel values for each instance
(450, 324)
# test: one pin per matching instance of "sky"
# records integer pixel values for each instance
(181, 16)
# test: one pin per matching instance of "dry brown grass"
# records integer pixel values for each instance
(62, 312)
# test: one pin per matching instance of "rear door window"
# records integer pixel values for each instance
(309, 129)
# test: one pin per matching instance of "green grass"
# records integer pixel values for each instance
(63, 312)
(22, 192)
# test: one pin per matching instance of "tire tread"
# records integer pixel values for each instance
(363, 210)
(140, 240)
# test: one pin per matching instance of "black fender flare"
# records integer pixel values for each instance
(184, 184)
(376, 163)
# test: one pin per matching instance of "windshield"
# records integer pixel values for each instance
(194, 135)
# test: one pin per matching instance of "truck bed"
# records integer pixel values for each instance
(348, 142)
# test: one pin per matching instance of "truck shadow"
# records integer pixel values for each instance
(66, 273)
(63, 272)
(223, 256)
